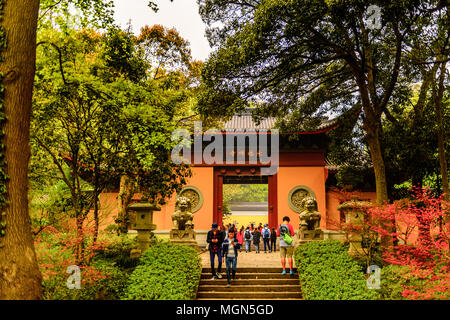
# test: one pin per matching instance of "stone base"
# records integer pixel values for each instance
(309, 235)
(190, 243)
(355, 248)
(184, 237)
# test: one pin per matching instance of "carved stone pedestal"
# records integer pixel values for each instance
(185, 237)
(304, 236)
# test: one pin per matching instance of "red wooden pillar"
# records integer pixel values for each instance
(218, 198)
(273, 200)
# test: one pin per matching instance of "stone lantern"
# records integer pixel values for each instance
(354, 212)
(144, 223)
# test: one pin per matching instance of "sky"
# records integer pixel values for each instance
(181, 14)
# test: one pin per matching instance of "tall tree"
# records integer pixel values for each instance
(104, 124)
(420, 108)
(307, 58)
(19, 274)
(20, 277)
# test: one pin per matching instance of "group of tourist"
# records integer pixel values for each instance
(253, 235)
(226, 242)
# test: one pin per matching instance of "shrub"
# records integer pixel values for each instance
(405, 282)
(427, 257)
(117, 252)
(103, 275)
(165, 272)
(393, 282)
(327, 272)
(98, 282)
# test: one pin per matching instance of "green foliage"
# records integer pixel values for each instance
(327, 272)
(109, 286)
(48, 205)
(99, 109)
(243, 193)
(303, 61)
(166, 272)
(104, 277)
(410, 144)
(296, 57)
(64, 14)
(356, 176)
(121, 57)
(393, 282)
(118, 252)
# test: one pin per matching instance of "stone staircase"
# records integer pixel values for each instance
(250, 283)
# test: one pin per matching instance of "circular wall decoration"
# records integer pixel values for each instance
(296, 195)
(194, 194)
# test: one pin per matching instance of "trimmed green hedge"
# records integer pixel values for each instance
(327, 272)
(165, 272)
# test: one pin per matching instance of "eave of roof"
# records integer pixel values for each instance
(244, 121)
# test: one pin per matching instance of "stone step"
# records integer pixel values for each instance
(252, 270)
(270, 281)
(254, 275)
(248, 295)
(250, 288)
(250, 299)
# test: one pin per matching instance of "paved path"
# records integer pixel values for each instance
(251, 259)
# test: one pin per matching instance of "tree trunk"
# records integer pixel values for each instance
(373, 139)
(20, 277)
(96, 218)
(79, 244)
(441, 132)
(126, 193)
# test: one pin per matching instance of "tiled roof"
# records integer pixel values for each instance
(331, 165)
(245, 121)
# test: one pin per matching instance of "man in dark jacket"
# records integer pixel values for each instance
(256, 239)
(230, 249)
(273, 240)
(215, 239)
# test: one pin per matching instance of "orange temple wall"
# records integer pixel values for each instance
(288, 177)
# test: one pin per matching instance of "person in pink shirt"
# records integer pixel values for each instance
(240, 237)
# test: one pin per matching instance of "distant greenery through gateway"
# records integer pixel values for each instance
(244, 193)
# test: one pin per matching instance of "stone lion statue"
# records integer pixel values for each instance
(309, 217)
(182, 217)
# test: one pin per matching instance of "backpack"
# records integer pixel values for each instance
(285, 235)
(266, 233)
(247, 235)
